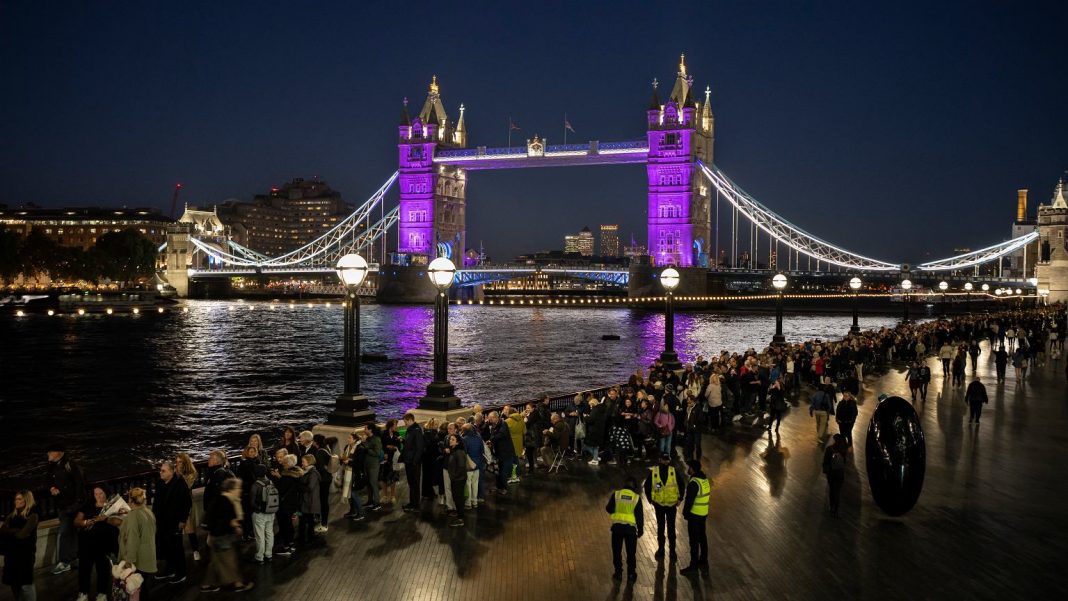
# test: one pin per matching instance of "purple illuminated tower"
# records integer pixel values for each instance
(680, 133)
(432, 220)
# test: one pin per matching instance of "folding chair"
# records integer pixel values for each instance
(558, 461)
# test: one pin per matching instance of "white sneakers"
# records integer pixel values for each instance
(196, 555)
(101, 597)
(83, 597)
(321, 529)
(594, 462)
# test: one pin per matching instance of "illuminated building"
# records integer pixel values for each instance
(79, 227)
(610, 240)
(581, 243)
(285, 219)
(635, 250)
(1022, 262)
(1052, 267)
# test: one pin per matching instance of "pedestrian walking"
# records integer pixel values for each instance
(1001, 362)
(776, 404)
(834, 461)
(663, 491)
(846, 415)
(975, 397)
(820, 407)
(625, 507)
(695, 510)
(224, 525)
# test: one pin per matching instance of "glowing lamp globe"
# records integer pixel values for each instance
(669, 279)
(779, 281)
(986, 287)
(943, 286)
(906, 284)
(997, 292)
(441, 272)
(1018, 291)
(352, 270)
(968, 286)
(855, 283)
(1043, 292)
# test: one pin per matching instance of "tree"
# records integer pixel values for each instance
(39, 254)
(10, 262)
(126, 256)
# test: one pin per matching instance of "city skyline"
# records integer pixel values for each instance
(880, 124)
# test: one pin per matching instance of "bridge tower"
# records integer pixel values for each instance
(680, 132)
(1052, 267)
(432, 198)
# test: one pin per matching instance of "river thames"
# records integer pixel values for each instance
(123, 390)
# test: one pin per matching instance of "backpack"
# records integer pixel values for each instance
(265, 497)
(837, 462)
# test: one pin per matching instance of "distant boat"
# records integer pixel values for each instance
(610, 337)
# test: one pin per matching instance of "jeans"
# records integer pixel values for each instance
(450, 503)
(976, 411)
(412, 472)
(263, 527)
(285, 528)
(595, 452)
(665, 445)
(87, 563)
(504, 471)
(835, 482)
(355, 506)
(306, 528)
(454, 489)
(67, 550)
(482, 481)
(846, 429)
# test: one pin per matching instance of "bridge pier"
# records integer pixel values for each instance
(644, 280)
(404, 284)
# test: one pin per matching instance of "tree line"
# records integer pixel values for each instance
(125, 257)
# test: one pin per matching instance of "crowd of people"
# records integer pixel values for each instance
(273, 500)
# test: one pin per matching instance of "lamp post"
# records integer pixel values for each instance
(351, 407)
(968, 297)
(1044, 294)
(855, 284)
(943, 286)
(906, 285)
(779, 282)
(440, 394)
(669, 279)
(1019, 299)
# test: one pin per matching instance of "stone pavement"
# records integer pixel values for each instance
(989, 524)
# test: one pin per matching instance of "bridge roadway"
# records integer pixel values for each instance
(989, 524)
(493, 273)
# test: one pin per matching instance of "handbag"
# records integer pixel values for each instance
(580, 429)
(470, 464)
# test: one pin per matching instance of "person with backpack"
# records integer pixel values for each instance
(265, 502)
(820, 407)
(834, 462)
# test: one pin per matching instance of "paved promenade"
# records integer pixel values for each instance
(990, 523)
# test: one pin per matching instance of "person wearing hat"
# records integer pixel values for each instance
(662, 490)
(695, 510)
(625, 507)
(66, 484)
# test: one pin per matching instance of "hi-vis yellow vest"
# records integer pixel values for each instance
(700, 503)
(626, 501)
(665, 493)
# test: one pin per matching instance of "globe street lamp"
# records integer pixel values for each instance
(943, 286)
(906, 285)
(351, 408)
(1044, 293)
(986, 287)
(968, 297)
(440, 394)
(855, 285)
(669, 279)
(779, 282)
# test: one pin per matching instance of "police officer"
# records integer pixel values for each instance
(695, 510)
(662, 490)
(625, 507)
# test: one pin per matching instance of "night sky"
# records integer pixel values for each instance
(899, 131)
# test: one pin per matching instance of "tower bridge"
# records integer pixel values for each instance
(684, 189)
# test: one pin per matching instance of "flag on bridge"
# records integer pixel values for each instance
(567, 125)
(512, 125)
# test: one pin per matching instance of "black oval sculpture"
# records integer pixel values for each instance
(896, 456)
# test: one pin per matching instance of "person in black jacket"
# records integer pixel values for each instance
(171, 507)
(288, 484)
(695, 510)
(501, 443)
(976, 398)
(18, 535)
(323, 452)
(246, 471)
(217, 472)
(412, 457)
(66, 484)
(846, 415)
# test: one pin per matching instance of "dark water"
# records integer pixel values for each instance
(123, 390)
